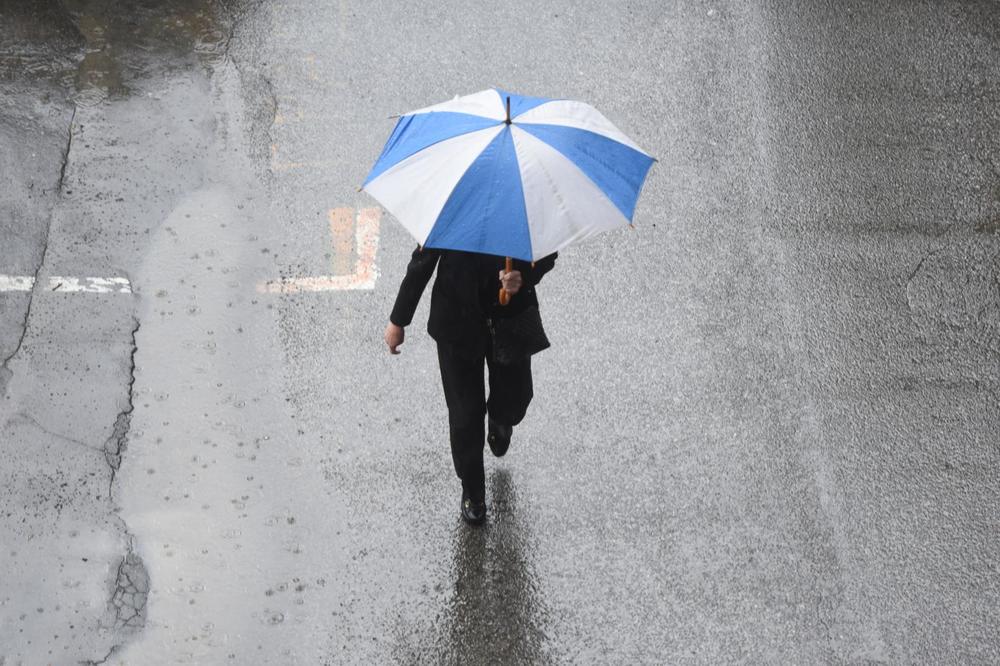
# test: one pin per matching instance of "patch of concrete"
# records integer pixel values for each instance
(95, 157)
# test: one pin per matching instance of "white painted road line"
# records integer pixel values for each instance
(63, 283)
(16, 282)
(365, 247)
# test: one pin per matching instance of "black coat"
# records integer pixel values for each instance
(466, 292)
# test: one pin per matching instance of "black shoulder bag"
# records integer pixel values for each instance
(518, 337)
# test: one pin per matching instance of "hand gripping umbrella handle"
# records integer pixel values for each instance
(504, 296)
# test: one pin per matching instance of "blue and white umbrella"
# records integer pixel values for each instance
(508, 175)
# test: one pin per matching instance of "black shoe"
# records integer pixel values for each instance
(499, 438)
(473, 512)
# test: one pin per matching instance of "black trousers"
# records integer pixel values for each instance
(464, 391)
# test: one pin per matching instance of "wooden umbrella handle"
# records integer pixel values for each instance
(504, 296)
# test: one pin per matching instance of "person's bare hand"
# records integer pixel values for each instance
(394, 337)
(511, 281)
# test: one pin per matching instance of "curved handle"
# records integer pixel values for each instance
(504, 295)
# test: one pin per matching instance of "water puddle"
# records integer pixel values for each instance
(102, 48)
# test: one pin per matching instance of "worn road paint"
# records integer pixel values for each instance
(277, 165)
(284, 117)
(311, 71)
(16, 282)
(342, 231)
(62, 283)
(366, 226)
(354, 236)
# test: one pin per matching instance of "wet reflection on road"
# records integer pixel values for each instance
(497, 613)
(105, 48)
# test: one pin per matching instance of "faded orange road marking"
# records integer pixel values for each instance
(311, 72)
(278, 165)
(365, 246)
(342, 232)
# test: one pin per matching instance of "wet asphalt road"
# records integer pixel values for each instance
(766, 430)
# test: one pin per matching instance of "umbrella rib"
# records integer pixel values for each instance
(425, 147)
(572, 161)
(556, 194)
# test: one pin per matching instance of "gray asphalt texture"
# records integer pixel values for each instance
(766, 431)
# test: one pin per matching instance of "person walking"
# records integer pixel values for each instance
(465, 308)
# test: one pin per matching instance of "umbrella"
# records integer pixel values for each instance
(504, 174)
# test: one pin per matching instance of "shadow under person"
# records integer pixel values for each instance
(495, 614)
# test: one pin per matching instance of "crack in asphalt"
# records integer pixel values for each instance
(258, 89)
(102, 660)
(65, 159)
(5, 372)
(916, 271)
(240, 18)
(913, 275)
(116, 443)
(128, 600)
(30, 419)
(131, 590)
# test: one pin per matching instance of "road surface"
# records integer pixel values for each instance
(766, 431)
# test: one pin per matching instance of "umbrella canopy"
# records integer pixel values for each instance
(508, 175)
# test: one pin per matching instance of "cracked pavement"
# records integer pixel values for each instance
(765, 431)
(115, 445)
